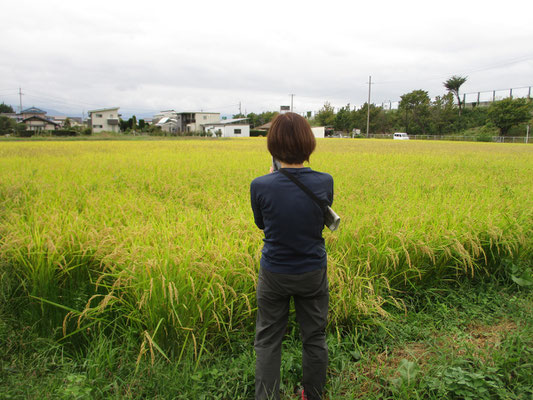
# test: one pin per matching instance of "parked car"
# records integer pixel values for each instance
(400, 136)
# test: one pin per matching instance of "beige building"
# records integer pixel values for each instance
(35, 120)
(37, 123)
(194, 121)
(104, 120)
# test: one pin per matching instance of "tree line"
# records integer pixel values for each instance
(417, 114)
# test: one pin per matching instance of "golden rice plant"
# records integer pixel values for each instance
(158, 236)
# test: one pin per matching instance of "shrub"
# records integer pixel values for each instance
(24, 133)
(257, 132)
(65, 132)
(509, 112)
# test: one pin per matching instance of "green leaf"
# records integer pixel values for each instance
(521, 281)
(356, 355)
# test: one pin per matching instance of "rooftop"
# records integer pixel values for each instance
(33, 110)
(227, 121)
(197, 112)
(104, 109)
(38, 117)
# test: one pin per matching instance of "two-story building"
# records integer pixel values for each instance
(35, 120)
(39, 124)
(195, 121)
(104, 120)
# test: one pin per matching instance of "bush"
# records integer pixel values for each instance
(8, 126)
(24, 133)
(483, 133)
(65, 132)
(154, 130)
(257, 132)
(509, 112)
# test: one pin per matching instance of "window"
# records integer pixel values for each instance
(98, 126)
(110, 115)
(98, 115)
(237, 131)
(205, 116)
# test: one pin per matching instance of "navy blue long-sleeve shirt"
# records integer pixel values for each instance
(291, 220)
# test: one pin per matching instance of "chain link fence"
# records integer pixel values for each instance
(496, 139)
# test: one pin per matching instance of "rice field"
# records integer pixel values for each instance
(157, 237)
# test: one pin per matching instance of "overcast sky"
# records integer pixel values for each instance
(210, 55)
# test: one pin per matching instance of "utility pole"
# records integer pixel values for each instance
(368, 106)
(240, 108)
(20, 100)
(292, 97)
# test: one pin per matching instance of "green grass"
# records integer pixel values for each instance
(475, 338)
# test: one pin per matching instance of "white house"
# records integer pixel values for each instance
(229, 128)
(319, 131)
(104, 120)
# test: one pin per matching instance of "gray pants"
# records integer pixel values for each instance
(311, 296)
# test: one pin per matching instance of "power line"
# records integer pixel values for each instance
(479, 69)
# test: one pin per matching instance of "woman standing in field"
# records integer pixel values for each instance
(294, 259)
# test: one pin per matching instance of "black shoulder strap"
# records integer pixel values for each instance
(321, 204)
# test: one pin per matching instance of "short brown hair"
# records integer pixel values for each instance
(290, 139)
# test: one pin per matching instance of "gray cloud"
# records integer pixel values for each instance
(184, 55)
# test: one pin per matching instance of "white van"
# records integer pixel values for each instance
(400, 136)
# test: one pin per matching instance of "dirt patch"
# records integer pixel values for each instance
(480, 339)
(415, 351)
(384, 366)
(483, 336)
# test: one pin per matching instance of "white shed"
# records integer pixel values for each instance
(319, 131)
(229, 128)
